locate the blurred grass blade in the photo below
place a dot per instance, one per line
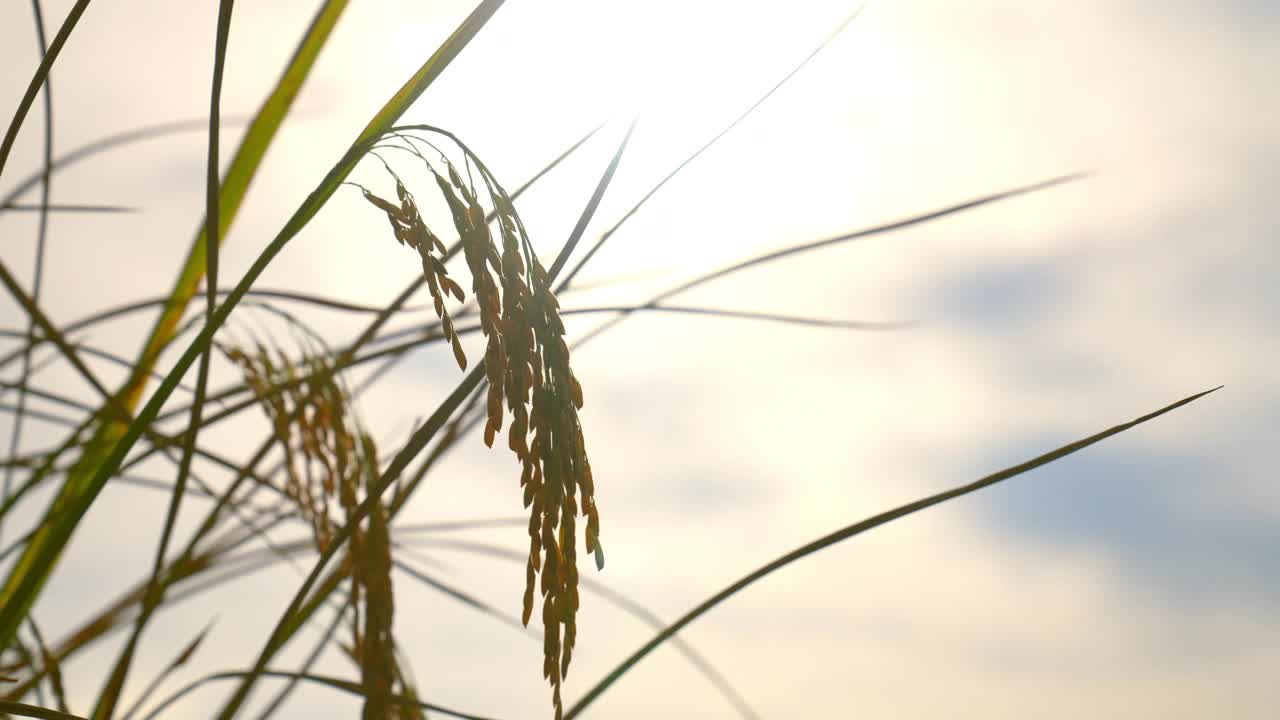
(883, 229)
(41, 74)
(461, 595)
(115, 140)
(34, 711)
(856, 529)
(87, 476)
(50, 665)
(69, 208)
(627, 605)
(877, 230)
(139, 305)
(177, 662)
(346, 686)
(46, 326)
(740, 315)
(326, 639)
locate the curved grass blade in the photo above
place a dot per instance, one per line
(431, 336)
(846, 237)
(461, 596)
(38, 317)
(627, 605)
(34, 711)
(42, 415)
(177, 662)
(325, 640)
(133, 307)
(43, 208)
(41, 75)
(128, 137)
(49, 665)
(858, 528)
(346, 686)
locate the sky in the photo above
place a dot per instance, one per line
(1134, 578)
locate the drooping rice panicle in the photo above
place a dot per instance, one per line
(527, 367)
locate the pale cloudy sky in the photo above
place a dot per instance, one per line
(1134, 579)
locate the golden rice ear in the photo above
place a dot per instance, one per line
(458, 354)
(598, 551)
(527, 611)
(475, 216)
(396, 229)
(452, 287)
(385, 206)
(526, 364)
(516, 436)
(495, 409)
(414, 236)
(456, 180)
(575, 389)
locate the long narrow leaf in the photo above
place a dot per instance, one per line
(34, 711)
(41, 74)
(856, 529)
(883, 229)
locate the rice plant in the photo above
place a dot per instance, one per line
(318, 466)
